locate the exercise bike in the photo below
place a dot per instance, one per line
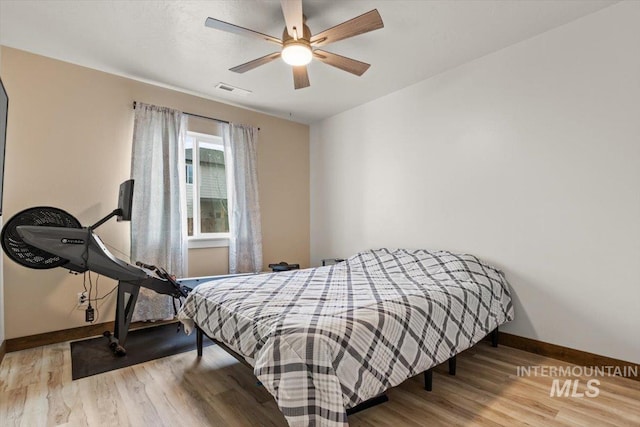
(45, 237)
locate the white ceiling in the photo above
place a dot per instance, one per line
(165, 42)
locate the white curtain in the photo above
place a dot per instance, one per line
(158, 219)
(245, 243)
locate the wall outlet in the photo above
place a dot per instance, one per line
(83, 299)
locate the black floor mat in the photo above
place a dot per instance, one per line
(93, 356)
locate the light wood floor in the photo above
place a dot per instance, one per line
(36, 390)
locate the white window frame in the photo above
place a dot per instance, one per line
(204, 240)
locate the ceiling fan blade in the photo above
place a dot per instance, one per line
(362, 24)
(255, 63)
(292, 11)
(231, 28)
(300, 77)
(347, 64)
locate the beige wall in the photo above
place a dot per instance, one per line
(69, 146)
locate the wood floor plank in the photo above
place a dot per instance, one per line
(58, 411)
(579, 418)
(12, 406)
(216, 390)
(137, 402)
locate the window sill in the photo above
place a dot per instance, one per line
(220, 242)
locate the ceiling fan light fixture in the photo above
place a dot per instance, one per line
(297, 53)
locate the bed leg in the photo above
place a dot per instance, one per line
(452, 365)
(199, 336)
(428, 379)
(494, 337)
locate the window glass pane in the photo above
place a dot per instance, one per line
(189, 171)
(214, 217)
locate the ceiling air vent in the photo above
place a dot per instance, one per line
(232, 89)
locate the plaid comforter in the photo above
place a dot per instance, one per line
(328, 338)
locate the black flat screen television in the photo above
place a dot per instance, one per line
(4, 113)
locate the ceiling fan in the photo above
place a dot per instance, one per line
(299, 47)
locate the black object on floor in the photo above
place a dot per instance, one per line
(283, 266)
(93, 356)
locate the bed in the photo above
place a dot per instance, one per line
(323, 340)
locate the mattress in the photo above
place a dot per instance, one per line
(325, 339)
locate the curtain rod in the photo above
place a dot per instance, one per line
(195, 115)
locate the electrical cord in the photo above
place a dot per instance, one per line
(96, 299)
(89, 292)
(84, 285)
(105, 295)
(119, 251)
(89, 311)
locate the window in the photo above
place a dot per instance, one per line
(207, 204)
(189, 172)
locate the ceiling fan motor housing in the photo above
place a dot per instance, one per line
(296, 50)
(305, 36)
